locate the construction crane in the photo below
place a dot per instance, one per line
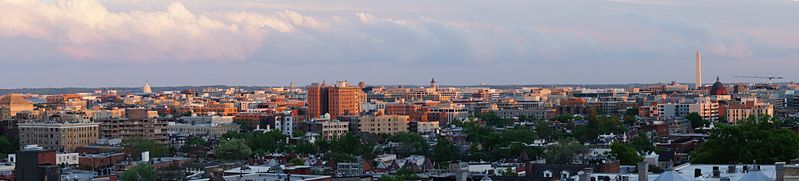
(770, 78)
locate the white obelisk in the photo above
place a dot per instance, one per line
(698, 70)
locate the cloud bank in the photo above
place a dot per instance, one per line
(455, 36)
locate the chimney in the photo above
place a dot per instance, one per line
(697, 172)
(780, 168)
(731, 169)
(725, 179)
(716, 172)
(746, 169)
(643, 168)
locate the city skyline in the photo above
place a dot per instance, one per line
(110, 43)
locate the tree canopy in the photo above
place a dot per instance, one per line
(445, 151)
(140, 145)
(233, 149)
(626, 154)
(492, 119)
(696, 120)
(410, 144)
(565, 152)
(140, 172)
(763, 142)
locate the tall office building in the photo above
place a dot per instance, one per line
(337, 100)
(698, 83)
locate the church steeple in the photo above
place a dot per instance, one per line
(433, 84)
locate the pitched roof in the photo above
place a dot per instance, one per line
(670, 175)
(10, 99)
(755, 176)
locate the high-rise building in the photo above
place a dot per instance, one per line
(698, 83)
(337, 100)
(317, 99)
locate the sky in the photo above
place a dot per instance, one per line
(107, 43)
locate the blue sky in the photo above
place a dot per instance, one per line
(92, 43)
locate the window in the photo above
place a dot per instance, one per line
(547, 174)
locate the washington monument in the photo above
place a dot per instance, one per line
(698, 83)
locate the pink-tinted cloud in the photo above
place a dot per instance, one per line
(87, 30)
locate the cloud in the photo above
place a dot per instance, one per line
(87, 30)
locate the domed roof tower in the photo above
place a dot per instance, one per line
(718, 88)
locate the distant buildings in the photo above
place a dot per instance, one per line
(127, 129)
(384, 124)
(327, 128)
(212, 131)
(337, 100)
(64, 137)
(11, 104)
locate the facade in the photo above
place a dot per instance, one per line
(338, 100)
(327, 128)
(742, 111)
(65, 137)
(128, 129)
(703, 106)
(202, 130)
(140, 113)
(285, 123)
(537, 113)
(424, 127)
(384, 124)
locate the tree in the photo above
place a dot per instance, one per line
(193, 144)
(243, 126)
(626, 154)
(140, 172)
(545, 131)
(297, 161)
(696, 120)
(445, 151)
(563, 118)
(598, 125)
(642, 144)
(234, 149)
(272, 141)
(518, 134)
(763, 142)
(508, 172)
(7, 146)
(492, 119)
(410, 144)
(139, 145)
(565, 152)
(305, 148)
